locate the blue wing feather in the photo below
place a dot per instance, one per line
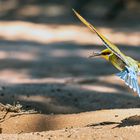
(130, 78)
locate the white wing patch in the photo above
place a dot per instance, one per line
(130, 78)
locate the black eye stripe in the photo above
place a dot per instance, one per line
(106, 53)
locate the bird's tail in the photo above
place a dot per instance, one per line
(130, 79)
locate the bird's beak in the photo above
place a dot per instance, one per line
(94, 54)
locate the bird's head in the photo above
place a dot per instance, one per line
(104, 54)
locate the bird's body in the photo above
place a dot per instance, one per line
(129, 67)
(116, 61)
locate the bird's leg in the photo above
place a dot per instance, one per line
(95, 54)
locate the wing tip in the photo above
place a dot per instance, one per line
(130, 81)
(76, 13)
(74, 10)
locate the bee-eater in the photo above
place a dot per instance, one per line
(128, 67)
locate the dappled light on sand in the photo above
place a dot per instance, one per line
(100, 88)
(24, 56)
(43, 33)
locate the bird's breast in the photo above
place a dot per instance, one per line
(117, 62)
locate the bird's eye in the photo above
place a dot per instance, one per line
(106, 53)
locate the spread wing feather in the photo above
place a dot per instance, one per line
(130, 78)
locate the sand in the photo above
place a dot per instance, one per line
(75, 98)
(105, 124)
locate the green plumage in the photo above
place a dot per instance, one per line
(129, 67)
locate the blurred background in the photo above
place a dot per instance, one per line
(44, 53)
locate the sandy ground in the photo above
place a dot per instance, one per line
(45, 68)
(105, 124)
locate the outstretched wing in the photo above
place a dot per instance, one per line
(106, 42)
(130, 78)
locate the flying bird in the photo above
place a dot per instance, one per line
(128, 67)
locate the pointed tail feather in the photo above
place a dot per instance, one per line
(130, 78)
